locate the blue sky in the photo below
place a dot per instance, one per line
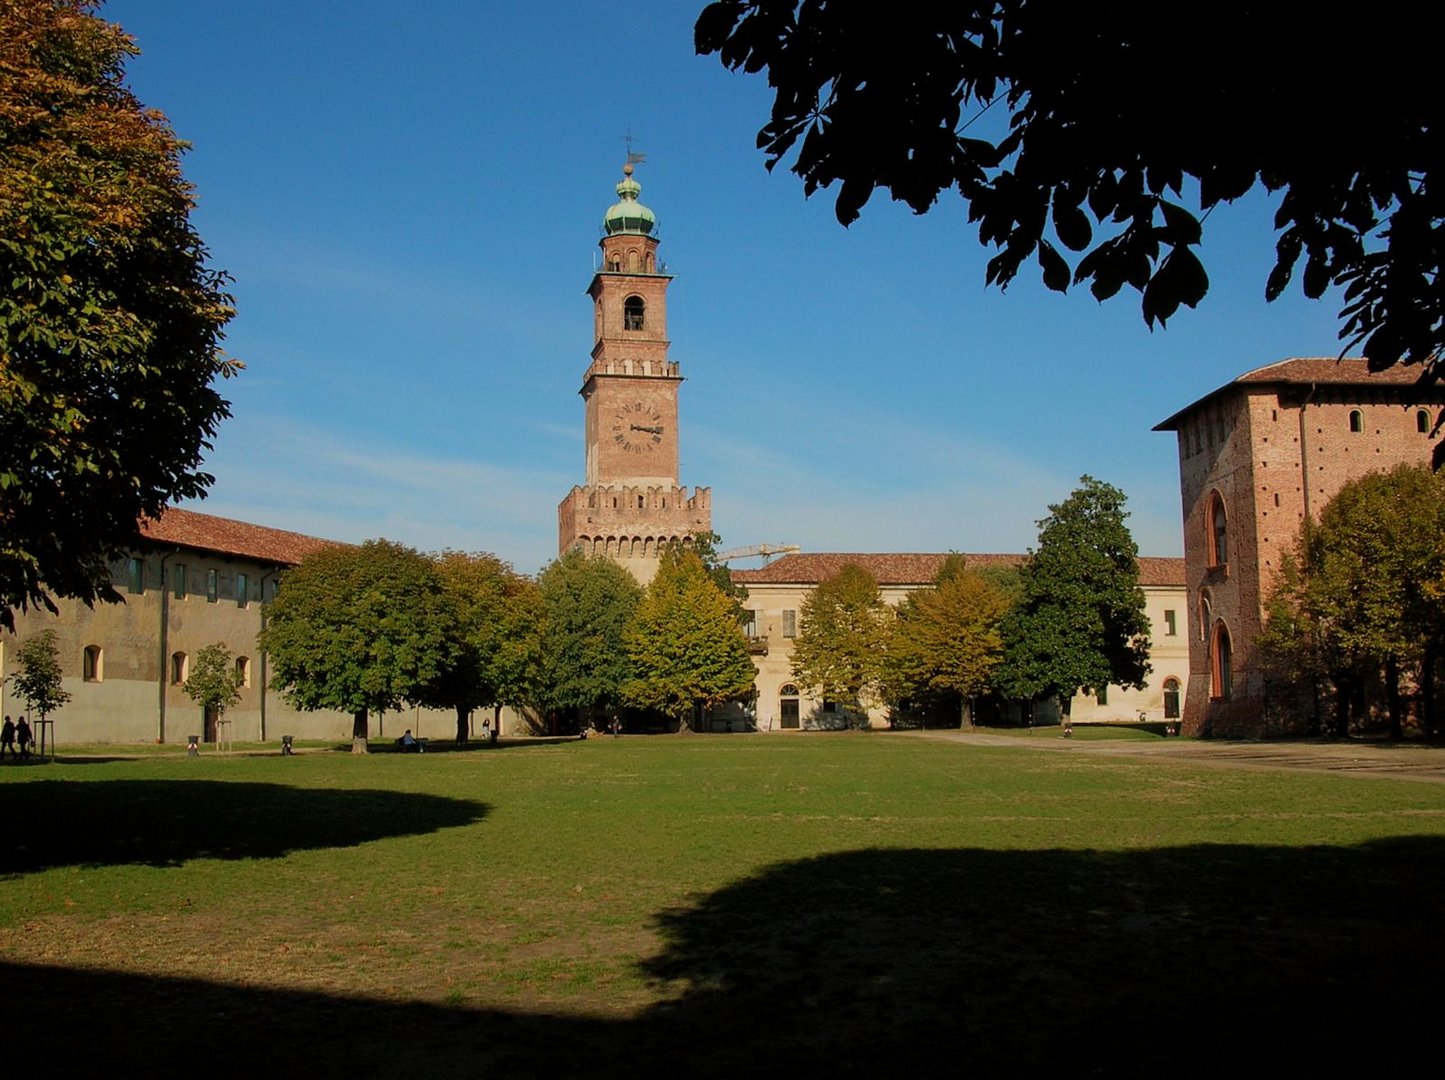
(409, 199)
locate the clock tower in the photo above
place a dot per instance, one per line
(631, 506)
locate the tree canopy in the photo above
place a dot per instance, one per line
(1107, 132)
(946, 641)
(1080, 623)
(110, 317)
(214, 683)
(360, 629)
(840, 648)
(1362, 601)
(495, 623)
(685, 642)
(588, 601)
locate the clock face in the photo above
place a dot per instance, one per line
(637, 428)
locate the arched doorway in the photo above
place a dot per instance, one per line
(788, 707)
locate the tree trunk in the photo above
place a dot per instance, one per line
(464, 724)
(1392, 693)
(358, 731)
(1427, 690)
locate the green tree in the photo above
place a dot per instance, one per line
(1080, 623)
(946, 641)
(685, 642)
(706, 545)
(496, 623)
(39, 679)
(1106, 131)
(841, 646)
(588, 601)
(110, 319)
(214, 683)
(359, 629)
(1362, 602)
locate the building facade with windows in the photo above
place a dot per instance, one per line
(776, 593)
(1257, 458)
(192, 580)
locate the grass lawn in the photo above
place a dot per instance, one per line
(707, 905)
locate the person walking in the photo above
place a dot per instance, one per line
(7, 738)
(23, 736)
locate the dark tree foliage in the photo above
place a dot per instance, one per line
(588, 603)
(495, 623)
(110, 319)
(1110, 132)
(1360, 606)
(359, 629)
(1080, 623)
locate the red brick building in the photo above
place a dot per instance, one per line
(1256, 458)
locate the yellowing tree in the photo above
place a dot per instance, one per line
(685, 643)
(946, 641)
(110, 318)
(839, 651)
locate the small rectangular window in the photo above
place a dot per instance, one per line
(790, 624)
(178, 581)
(1170, 629)
(135, 574)
(750, 623)
(829, 706)
(241, 586)
(213, 586)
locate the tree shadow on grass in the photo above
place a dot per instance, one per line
(1185, 961)
(52, 823)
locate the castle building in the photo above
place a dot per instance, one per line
(776, 593)
(631, 505)
(1257, 457)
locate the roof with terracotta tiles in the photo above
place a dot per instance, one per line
(917, 568)
(1305, 370)
(226, 536)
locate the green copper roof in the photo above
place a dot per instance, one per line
(629, 215)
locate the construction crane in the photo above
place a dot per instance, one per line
(767, 551)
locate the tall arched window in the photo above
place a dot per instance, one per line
(633, 310)
(1206, 614)
(1221, 675)
(1357, 421)
(1422, 422)
(243, 670)
(92, 665)
(1218, 531)
(178, 668)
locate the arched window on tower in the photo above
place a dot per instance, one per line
(614, 263)
(1357, 421)
(1422, 422)
(1217, 525)
(1221, 675)
(633, 313)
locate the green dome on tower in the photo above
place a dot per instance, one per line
(629, 215)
